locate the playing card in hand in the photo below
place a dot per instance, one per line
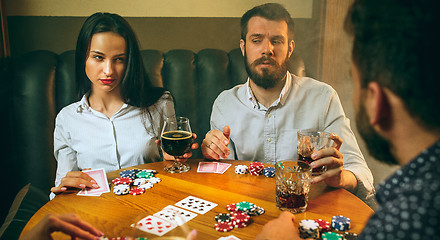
(195, 204)
(175, 215)
(101, 179)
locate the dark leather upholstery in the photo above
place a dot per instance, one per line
(43, 83)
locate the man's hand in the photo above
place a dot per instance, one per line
(69, 224)
(215, 144)
(281, 228)
(75, 179)
(185, 156)
(335, 176)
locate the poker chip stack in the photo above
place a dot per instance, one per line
(324, 226)
(141, 179)
(341, 223)
(269, 172)
(241, 169)
(239, 216)
(331, 236)
(308, 229)
(256, 168)
(240, 220)
(349, 236)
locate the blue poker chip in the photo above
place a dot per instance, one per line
(128, 173)
(341, 223)
(269, 172)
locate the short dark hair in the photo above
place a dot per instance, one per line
(395, 45)
(270, 11)
(136, 88)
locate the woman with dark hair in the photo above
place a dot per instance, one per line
(117, 122)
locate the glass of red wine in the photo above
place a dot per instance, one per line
(176, 139)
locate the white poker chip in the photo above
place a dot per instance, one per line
(121, 189)
(154, 180)
(140, 181)
(149, 170)
(241, 169)
(146, 185)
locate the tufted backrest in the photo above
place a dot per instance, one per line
(43, 83)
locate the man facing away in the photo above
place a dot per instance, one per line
(259, 120)
(394, 68)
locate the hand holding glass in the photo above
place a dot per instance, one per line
(309, 141)
(176, 140)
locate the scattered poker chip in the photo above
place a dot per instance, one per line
(241, 169)
(324, 226)
(349, 236)
(340, 223)
(245, 206)
(331, 236)
(308, 229)
(231, 207)
(137, 191)
(223, 217)
(241, 225)
(257, 211)
(223, 226)
(154, 180)
(121, 189)
(143, 174)
(240, 218)
(127, 173)
(147, 185)
(122, 180)
(269, 172)
(139, 181)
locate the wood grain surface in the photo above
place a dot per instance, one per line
(114, 214)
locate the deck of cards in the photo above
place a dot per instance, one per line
(172, 216)
(101, 179)
(213, 167)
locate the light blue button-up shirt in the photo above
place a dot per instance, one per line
(269, 134)
(86, 138)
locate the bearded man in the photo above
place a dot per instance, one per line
(259, 120)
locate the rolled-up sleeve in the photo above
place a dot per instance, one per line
(335, 121)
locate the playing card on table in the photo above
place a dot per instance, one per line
(207, 167)
(155, 225)
(222, 167)
(195, 204)
(101, 179)
(175, 215)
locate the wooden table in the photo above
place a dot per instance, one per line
(114, 214)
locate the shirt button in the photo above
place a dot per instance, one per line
(269, 139)
(269, 115)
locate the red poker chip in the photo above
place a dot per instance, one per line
(240, 218)
(232, 207)
(137, 191)
(241, 225)
(224, 226)
(123, 180)
(324, 226)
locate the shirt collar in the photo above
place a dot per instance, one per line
(84, 104)
(281, 99)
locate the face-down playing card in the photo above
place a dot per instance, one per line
(195, 204)
(176, 215)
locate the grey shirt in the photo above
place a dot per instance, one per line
(269, 134)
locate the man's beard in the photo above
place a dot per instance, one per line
(377, 146)
(268, 78)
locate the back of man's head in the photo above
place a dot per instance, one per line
(269, 11)
(395, 44)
